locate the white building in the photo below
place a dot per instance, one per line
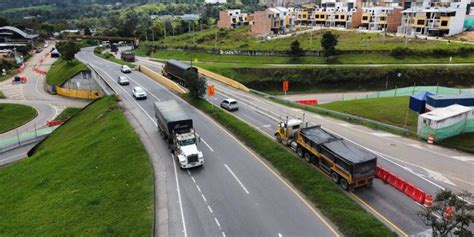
(215, 1)
(434, 18)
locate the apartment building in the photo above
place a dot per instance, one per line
(230, 19)
(434, 18)
(276, 20)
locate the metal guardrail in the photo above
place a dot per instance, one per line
(335, 113)
(26, 138)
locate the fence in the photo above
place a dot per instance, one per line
(25, 138)
(407, 91)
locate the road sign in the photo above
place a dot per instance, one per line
(285, 86)
(211, 90)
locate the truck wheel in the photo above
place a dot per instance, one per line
(278, 137)
(307, 157)
(344, 185)
(335, 177)
(299, 151)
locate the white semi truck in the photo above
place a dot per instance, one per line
(177, 129)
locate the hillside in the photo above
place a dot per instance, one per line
(91, 177)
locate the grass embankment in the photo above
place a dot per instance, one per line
(369, 58)
(344, 78)
(389, 110)
(67, 114)
(2, 95)
(90, 177)
(62, 70)
(463, 142)
(350, 218)
(241, 39)
(15, 115)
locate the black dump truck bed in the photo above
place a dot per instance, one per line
(337, 146)
(172, 117)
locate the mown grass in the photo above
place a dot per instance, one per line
(15, 115)
(62, 70)
(389, 110)
(67, 114)
(91, 177)
(241, 39)
(350, 218)
(367, 58)
(463, 142)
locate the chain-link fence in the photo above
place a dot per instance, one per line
(22, 138)
(412, 90)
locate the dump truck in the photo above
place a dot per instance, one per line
(176, 127)
(127, 56)
(348, 165)
(176, 70)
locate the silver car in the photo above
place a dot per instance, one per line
(230, 104)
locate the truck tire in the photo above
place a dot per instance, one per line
(307, 157)
(335, 177)
(343, 183)
(299, 151)
(278, 137)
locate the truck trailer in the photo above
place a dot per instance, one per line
(176, 127)
(176, 70)
(348, 165)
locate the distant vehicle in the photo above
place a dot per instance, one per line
(138, 93)
(39, 50)
(122, 80)
(176, 70)
(114, 48)
(348, 165)
(125, 69)
(55, 54)
(127, 56)
(45, 45)
(176, 127)
(229, 104)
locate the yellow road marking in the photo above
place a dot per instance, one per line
(380, 215)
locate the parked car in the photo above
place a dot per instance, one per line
(125, 69)
(230, 104)
(138, 93)
(123, 80)
(39, 50)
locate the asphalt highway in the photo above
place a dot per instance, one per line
(428, 167)
(234, 193)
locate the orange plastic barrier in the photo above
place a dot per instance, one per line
(381, 173)
(53, 123)
(400, 184)
(419, 196)
(307, 102)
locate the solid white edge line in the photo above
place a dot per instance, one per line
(217, 222)
(179, 198)
(238, 180)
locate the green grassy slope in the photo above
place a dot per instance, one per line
(62, 70)
(91, 177)
(15, 115)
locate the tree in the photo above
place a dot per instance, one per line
(295, 49)
(68, 50)
(195, 84)
(462, 214)
(4, 22)
(329, 42)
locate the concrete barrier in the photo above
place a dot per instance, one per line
(162, 80)
(223, 79)
(92, 95)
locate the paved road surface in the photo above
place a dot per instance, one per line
(324, 98)
(429, 167)
(233, 194)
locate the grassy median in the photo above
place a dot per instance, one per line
(345, 213)
(62, 70)
(91, 177)
(15, 115)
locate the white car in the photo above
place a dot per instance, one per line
(138, 93)
(125, 69)
(230, 104)
(123, 81)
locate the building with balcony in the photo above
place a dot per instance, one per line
(12, 37)
(231, 19)
(275, 20)
(378, 18)
(434, 18)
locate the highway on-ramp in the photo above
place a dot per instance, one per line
(428, 167)
(233, 194)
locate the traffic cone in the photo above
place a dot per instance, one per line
(430, 139)
(428, 201)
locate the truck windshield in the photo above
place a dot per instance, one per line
(187, 142)
(364, 169)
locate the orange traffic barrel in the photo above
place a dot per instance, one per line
(431, 139)
(428, 201)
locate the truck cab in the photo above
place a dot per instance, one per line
(286, 131)
(185, 150)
